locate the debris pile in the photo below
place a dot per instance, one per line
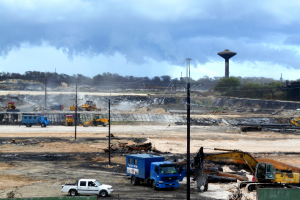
(202, 122)
(123, 147)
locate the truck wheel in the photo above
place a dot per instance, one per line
(134, 180)
(153, 184)
(72, 192)
(43, 125)
(30, 125)
(103, 193)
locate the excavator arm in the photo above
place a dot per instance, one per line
(294, 121)
(232, 157)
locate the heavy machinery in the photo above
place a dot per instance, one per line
(294, 121)
(97, 120)
(11, 107)
(268, 173)
(88, 106)
(69, 120)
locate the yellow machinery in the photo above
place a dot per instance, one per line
(69, 120)
(88, 106)
(294, 121)
(275, 174)
(97, 120)
(11, 107)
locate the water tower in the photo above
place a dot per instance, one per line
(226, 55)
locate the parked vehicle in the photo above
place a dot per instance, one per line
(30, 120)
(87, 186)
(57, 107)
(152, 169)
(69, 120)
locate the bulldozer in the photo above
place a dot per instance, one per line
(268, 173)
(97, 120)
(88, 106)
(69, 120)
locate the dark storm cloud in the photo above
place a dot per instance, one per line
(162, 30)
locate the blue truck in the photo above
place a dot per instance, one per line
(30, 120)
(57, 107)
(153, 170)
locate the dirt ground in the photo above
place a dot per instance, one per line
(35, 162)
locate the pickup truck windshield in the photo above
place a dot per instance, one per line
(97, 183)
(168, 169)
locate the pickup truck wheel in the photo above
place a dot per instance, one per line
(72, 192)
(134, 180)
(103, 193)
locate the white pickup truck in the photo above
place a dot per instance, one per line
(87, 186)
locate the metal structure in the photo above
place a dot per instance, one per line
(226, 55)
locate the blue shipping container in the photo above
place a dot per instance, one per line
(139, 164)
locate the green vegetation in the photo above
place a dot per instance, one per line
(227, 85)
(275, 90)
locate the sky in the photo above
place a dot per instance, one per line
(151, 38)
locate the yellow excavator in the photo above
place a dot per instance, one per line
(268, 173)
(294, 121)
(97, 120)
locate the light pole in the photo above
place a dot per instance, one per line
(188, 86)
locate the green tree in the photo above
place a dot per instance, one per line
(227, 84)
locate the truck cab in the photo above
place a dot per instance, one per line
(164, 175)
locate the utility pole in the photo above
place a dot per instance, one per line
(188, 86)
(109, 125)
(75, 111)
(109, 132)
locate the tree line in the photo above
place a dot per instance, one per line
(273, 90)
(108, 80)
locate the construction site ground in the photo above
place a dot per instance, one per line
(35, 162)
